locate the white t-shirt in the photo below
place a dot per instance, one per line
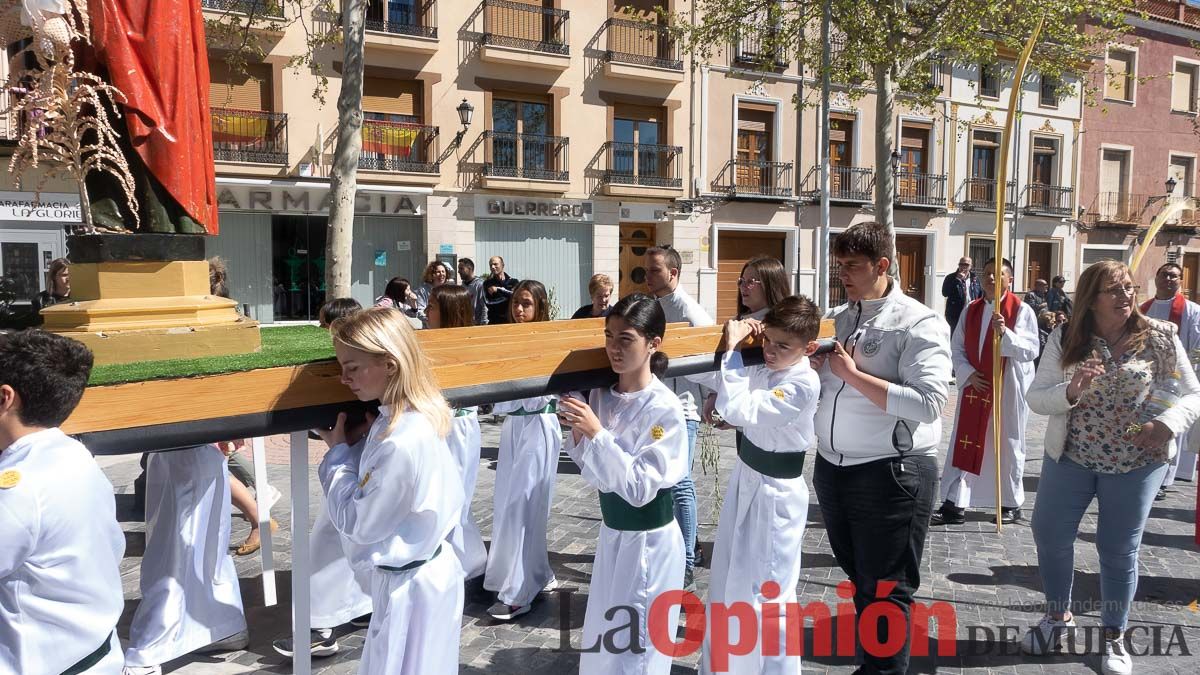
(679, 306)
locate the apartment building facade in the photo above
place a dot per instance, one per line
(1140, 149)
(568, 164)
(567, 137)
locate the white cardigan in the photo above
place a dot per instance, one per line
(1048, 394)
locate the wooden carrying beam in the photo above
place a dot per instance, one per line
(459, 365)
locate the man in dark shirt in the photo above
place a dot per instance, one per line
(960, 289)
(497, 291)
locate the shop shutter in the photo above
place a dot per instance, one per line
(558, 254)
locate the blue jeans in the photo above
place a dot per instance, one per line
(1064, 493)
(684, 495)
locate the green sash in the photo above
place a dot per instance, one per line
(773, 464)
(619, 514)
(548, 409)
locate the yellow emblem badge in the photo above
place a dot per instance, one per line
(363, 482)
(779, 394)
(656, 432)
(9, 479)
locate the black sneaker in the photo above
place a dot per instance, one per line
(1011, 514)
(323, 644)
(361, 621)
(1162, 494)
(948, 514)
(689, 579)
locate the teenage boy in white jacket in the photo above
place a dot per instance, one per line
(878, 426)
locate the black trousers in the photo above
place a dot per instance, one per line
(876, 517)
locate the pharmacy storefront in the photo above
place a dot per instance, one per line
(273, 236)
(32, 233)
(549, 240)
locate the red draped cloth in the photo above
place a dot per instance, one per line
(975, 407)
(155, 53)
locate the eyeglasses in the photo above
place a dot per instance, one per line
(1128, 290)
(748, 282)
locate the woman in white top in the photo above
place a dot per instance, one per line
(396, 500)
(450, 306)
(518, 565)
(630, 443)
(766, 505)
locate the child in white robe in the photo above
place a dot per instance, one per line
(518, 566)
(396, 500)
(60, 544)
(452, 306)
(339, 593)
(630, 442)
(191, 599)
(766, 504)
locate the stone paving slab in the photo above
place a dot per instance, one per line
(991, 579)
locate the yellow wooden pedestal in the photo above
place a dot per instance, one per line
(150, 311)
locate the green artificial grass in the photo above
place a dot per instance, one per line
(285, 346)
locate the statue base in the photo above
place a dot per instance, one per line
(146, 310)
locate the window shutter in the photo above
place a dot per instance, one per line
(251, 91)
(394, 97)
(750, 119)
(1183, 88)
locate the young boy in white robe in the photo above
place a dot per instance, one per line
(396, 500)
(518, 566)
(452, 306)
(60, 544)
(630, 442)
(766, 505)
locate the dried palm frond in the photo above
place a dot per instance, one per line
(63, 115)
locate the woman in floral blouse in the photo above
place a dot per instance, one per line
(1093, 380)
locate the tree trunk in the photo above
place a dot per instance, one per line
(343, 175)
(885, 141)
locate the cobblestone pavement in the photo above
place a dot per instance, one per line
(991, 580)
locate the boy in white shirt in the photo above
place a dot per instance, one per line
(60, 544)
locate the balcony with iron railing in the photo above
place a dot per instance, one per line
(755, 179)
(524, 157)
(640, 169)
(516, 33)
(1117, 209)
(980, 194)
(1049, 200)
(846, 184)
(418, 19)
(398, 147)
(759, 49)
(271, 9)
(253, 136)
(918, 189)
(639, 50)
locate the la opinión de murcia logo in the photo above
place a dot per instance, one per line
(833, 630)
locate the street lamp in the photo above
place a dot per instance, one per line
(465, 112)
(896, 175)
(1170, 185)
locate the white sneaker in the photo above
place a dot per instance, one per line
(141, 670)
(1047, 636)
(551, 586)
(503, 612)
(271, 496)
(1116, 660)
